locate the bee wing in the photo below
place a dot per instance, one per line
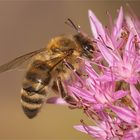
(13, 64)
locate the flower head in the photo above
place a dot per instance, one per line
(108, 87)
(118, 48)
(110, 95)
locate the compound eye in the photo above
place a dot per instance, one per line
(89, 48)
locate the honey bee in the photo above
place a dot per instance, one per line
(51, 64)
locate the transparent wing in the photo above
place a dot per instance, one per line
(19, 61)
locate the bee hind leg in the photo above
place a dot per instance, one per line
(69, 99)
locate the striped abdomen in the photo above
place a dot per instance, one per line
(33, 92)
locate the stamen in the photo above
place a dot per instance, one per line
(136, 42)
(86, 127)
(124, 34)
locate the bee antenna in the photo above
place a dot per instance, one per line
(71, 24)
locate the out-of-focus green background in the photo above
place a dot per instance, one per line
(26, 26)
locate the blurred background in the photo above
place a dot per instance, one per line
(26, 26)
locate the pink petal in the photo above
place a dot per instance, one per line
(80, 128)
(56, 100)
(129, 46)
(94, 131)
(124, 113)
(133, 134)
(108, 54)
(135, 96)
(119, 21)
(96, 26)
(82, 93)
(130, 21)
(119, 94)
(92, 73)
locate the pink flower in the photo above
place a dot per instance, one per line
(96, 93)
(108, 95)
(103, 130)
(130, 116)
(119, 52)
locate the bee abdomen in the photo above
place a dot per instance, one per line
(33, 92)
(37, 77)
(32, 104)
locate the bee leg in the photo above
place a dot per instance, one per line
(69, 99)
(75, 72)
(71, 67)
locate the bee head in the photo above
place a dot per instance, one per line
(85, 43)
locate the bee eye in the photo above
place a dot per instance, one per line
(88, 48)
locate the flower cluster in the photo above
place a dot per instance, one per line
(110, 93)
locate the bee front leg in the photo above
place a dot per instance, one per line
(71, 67)
(77, 73)
(69, 99)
